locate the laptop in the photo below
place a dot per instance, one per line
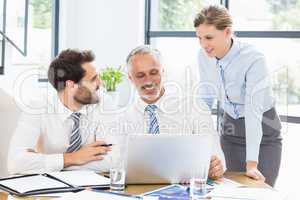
(166, 158)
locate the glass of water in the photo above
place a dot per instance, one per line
(118, 163)
(117, 179)
(198, 183)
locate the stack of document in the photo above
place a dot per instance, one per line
(53, 182)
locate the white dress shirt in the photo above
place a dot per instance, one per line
(47, 134)
(176, 114)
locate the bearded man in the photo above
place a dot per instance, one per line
(61, 137)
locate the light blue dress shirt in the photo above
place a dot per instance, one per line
(241, 82)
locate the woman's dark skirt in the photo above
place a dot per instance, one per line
(233, 143)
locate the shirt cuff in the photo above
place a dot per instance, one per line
(54, 162)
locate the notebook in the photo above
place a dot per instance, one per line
(66, 181)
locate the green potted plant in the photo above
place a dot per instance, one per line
(111, 78)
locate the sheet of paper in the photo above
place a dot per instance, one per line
(29, 183)
(53, 195)
(245, 193)
(90, 195)
(81, 178)
(228, 183)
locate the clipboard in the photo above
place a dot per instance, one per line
(39, 187)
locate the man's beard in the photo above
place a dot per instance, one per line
(84, 96)
(150, 97)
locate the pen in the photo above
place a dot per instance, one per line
(106, 145)
(95, 139)
(95, 133)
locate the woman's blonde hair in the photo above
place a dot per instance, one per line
(215, 15)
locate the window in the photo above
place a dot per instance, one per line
(271, 25)
(16, 16)
(31, 28)
(175, 15)
(284, 70)
(173, 58)
(269, 15)
(171, 31)
(39, 35)
(174, 18)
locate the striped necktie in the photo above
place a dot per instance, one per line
(153, 127)
(75, 137)
(234, 105)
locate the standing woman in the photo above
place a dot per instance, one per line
(236, 73)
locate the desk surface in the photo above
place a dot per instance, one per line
(138, 189)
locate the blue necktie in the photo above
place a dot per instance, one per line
(75, 137)
(234, 105)
(153, 122)
(222, 72)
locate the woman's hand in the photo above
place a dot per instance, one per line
(253, 172)
(216, 169)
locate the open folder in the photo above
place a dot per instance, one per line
(66, 181)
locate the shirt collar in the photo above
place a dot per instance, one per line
(233, 51)
(61, 110)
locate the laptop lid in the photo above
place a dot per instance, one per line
(164, 158)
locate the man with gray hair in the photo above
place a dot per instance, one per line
(162, 110)
(148, 85)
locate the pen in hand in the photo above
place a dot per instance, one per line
(95, 133)
(102, 145)
(95, 139)
(106, 145)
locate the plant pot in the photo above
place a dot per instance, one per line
(111, 100)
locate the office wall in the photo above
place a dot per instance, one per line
(109, 28)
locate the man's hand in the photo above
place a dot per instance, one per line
(86, 154)
(253, 172)
(216, 168)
